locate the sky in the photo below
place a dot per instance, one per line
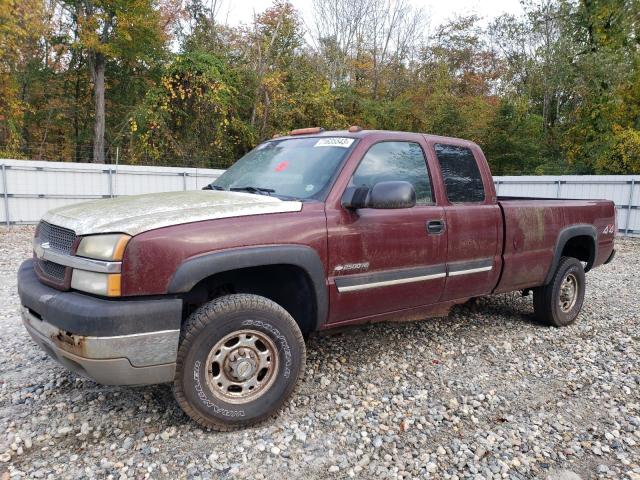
(438, 11)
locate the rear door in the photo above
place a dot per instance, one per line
(382, 261)
(473, 220)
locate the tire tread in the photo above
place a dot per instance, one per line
(197, 321)
(543, 296)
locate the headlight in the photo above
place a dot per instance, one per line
(105, 284)
(103, 247)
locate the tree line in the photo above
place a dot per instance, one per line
(167, 82)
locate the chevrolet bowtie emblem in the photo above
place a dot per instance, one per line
(39, 248)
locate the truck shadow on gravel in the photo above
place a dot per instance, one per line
(476, 320)
(349, 349)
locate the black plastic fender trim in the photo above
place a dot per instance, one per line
(196, 269)
(564, 236)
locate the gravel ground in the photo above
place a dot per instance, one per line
(485, 393)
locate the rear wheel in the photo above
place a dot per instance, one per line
(559, 302)
(239, 360)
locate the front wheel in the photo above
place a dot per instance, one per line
(239, 360)
(559, 302)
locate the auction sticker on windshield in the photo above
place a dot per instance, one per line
(334, 142)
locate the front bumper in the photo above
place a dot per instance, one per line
(114, 342)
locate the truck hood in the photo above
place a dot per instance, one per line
(140, 213)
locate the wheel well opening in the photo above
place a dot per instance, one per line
(287, 285)
(581, 247)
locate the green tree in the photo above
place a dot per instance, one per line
(22, 23)
(606, 82)
(513, 144)
(119, 30)
(192, 116)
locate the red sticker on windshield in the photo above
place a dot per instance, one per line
(281, 166)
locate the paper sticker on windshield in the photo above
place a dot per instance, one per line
(334, 142)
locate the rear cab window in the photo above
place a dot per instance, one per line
(393, 161)
(460, 173)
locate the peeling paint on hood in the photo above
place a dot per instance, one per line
(140, 213)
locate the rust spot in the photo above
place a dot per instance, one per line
(530, 228)
(71, 343)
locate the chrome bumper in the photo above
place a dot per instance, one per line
(135, 359)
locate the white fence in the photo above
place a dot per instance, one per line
(29, 188)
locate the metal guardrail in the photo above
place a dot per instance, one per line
(112, 175)
(111, 187)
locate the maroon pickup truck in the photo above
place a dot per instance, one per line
(216, 290)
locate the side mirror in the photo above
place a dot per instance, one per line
(395, 194)
(355, 198)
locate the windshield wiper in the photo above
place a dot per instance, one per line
(250, 189)
(211, 186)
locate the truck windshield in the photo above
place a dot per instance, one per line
(299, 168)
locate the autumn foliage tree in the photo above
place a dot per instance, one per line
(22, 24)
(193, 111)
(554, 90)
(124, 30)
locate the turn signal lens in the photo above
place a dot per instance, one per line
(105, 284)
(113, 285)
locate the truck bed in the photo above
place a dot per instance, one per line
(533, 227)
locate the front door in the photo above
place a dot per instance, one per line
(382, 261)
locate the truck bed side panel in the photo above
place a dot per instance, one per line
(532, 228)
(600, 214)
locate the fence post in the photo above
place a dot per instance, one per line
(626, 226)
(110, 180)
(184, 181)
(5, 194)
(558, 189)
(115, 178)
(498, 187)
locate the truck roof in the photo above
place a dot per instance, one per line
(379, 134)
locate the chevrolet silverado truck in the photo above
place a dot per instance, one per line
(216, 290)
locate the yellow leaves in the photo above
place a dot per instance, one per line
(21, 22)
(623, 154)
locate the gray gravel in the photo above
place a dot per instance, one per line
(485, 393)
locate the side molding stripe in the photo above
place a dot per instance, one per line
(355, 283)
(469, 267)
(385, 283)
(471, 270)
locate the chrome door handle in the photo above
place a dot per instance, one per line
(435, 227)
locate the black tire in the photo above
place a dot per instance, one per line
(547, 303)
(250, 318)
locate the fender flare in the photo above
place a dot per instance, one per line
(564, 236)
(195, 269)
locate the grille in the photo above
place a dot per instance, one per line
(53, 270)
(60, 239)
